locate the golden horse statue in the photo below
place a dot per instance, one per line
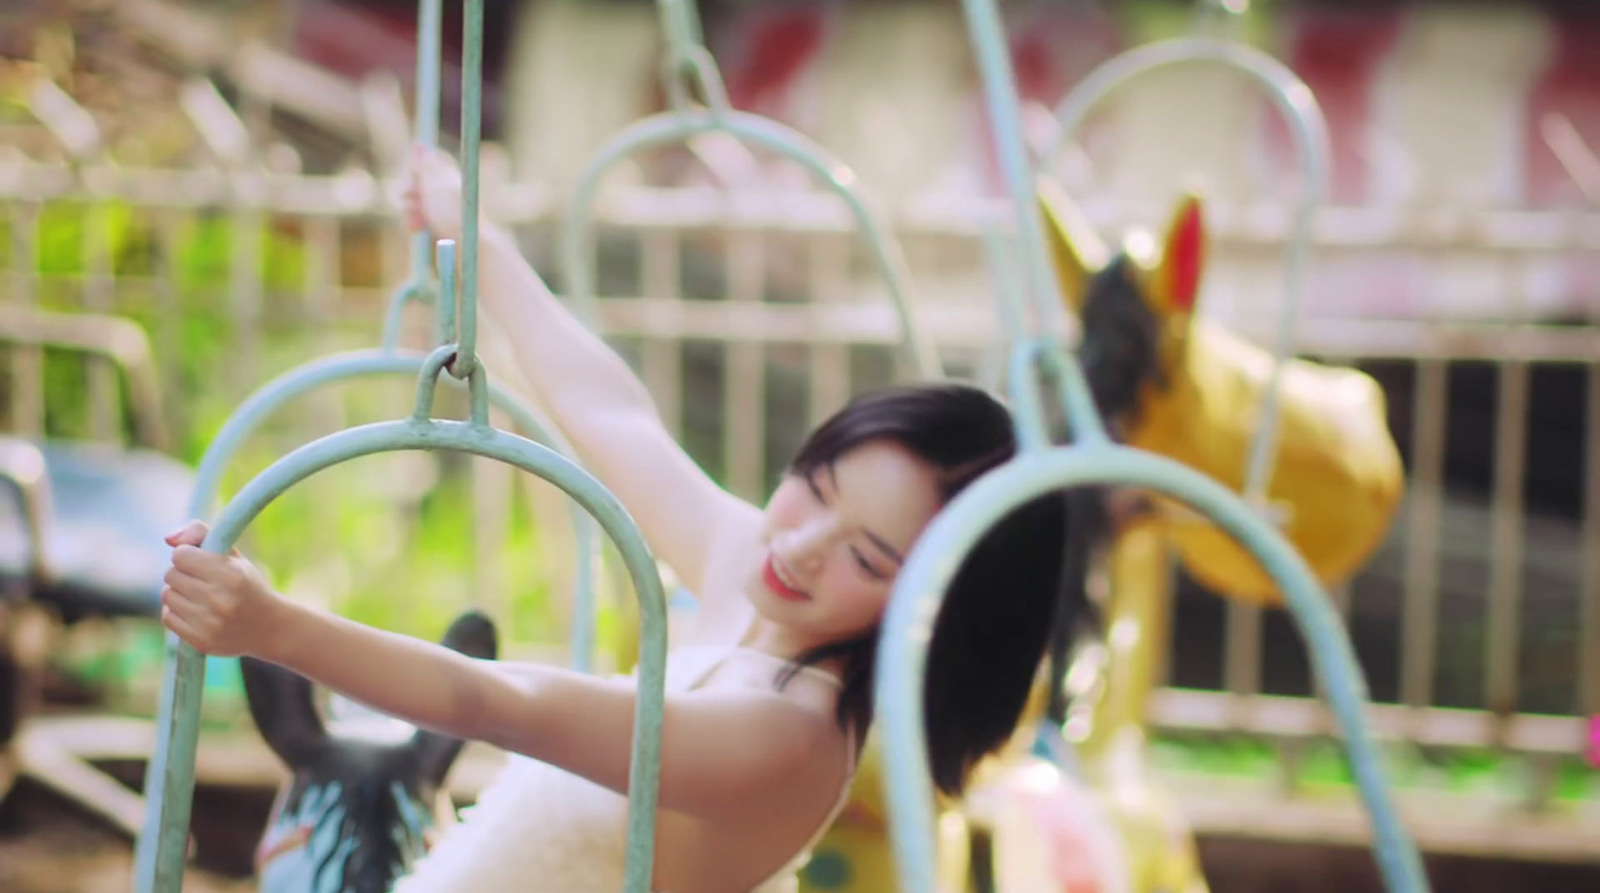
(1191, 390)
(1337, 478)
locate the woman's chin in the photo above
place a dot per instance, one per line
(770, 606)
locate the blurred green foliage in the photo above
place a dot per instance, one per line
(396, 553)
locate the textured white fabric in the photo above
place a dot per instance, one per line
(540, 829)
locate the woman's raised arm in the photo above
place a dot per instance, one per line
(590, 392)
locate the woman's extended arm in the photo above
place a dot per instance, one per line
(589, 391)
(723, 751)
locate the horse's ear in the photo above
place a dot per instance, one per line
(474, 635)
(283, 711)
(1177, 278)
(1075, 248)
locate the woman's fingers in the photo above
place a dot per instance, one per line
(190, 534)
(211, 597)
(185, 584)
(207, 597)
(197, 562)
(193, 534)
(173, 620)
(200, 623)
(185, 606)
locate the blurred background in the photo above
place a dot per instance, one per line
(196, 197)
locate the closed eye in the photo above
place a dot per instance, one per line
(811, 481)
(865, 565)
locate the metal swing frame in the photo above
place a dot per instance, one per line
(1094, 459)
(1039, 469)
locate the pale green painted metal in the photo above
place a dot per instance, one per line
(1000, 254)
(447, 291)
(418, 286)
(364, 364)
(680, 21)
(466, 359)
(919, 591)
(1294, 99)
(178, 713)
(687, 57)
(1040, 470)
(178, 708)
(159, 865)
(677, 126)
(159, 851)
(1029, 358)
(1022, 380)
(477, 438)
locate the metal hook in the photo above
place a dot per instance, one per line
(428, 384)
(695, 68)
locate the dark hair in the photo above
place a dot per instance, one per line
(991, 634)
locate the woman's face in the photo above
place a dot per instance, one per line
(836, 538)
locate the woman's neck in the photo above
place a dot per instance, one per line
(775, 639)
(760, 634)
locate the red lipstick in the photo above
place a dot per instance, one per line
(769, 576)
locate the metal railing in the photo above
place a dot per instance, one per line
(701, 288)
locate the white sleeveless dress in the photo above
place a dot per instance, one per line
(540, 829)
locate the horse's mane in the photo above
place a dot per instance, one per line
(1119, 348)
(371, 813)
(369, 798)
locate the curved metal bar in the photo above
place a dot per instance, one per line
(1000, 255)
(1299, 108)
(695, 66)
(416, 287)
(408, 291)
(413, 434)
(428, 384)
(939, 553)
(176, 721)
(373, 363)
(942, 548)
(673, 127)
(687, 58)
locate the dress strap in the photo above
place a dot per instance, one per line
(821, 675)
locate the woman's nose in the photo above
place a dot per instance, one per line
(810, 544)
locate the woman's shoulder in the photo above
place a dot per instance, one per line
(773, 686)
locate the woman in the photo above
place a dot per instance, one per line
(768, 704)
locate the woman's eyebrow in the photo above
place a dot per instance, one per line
(880, 542)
